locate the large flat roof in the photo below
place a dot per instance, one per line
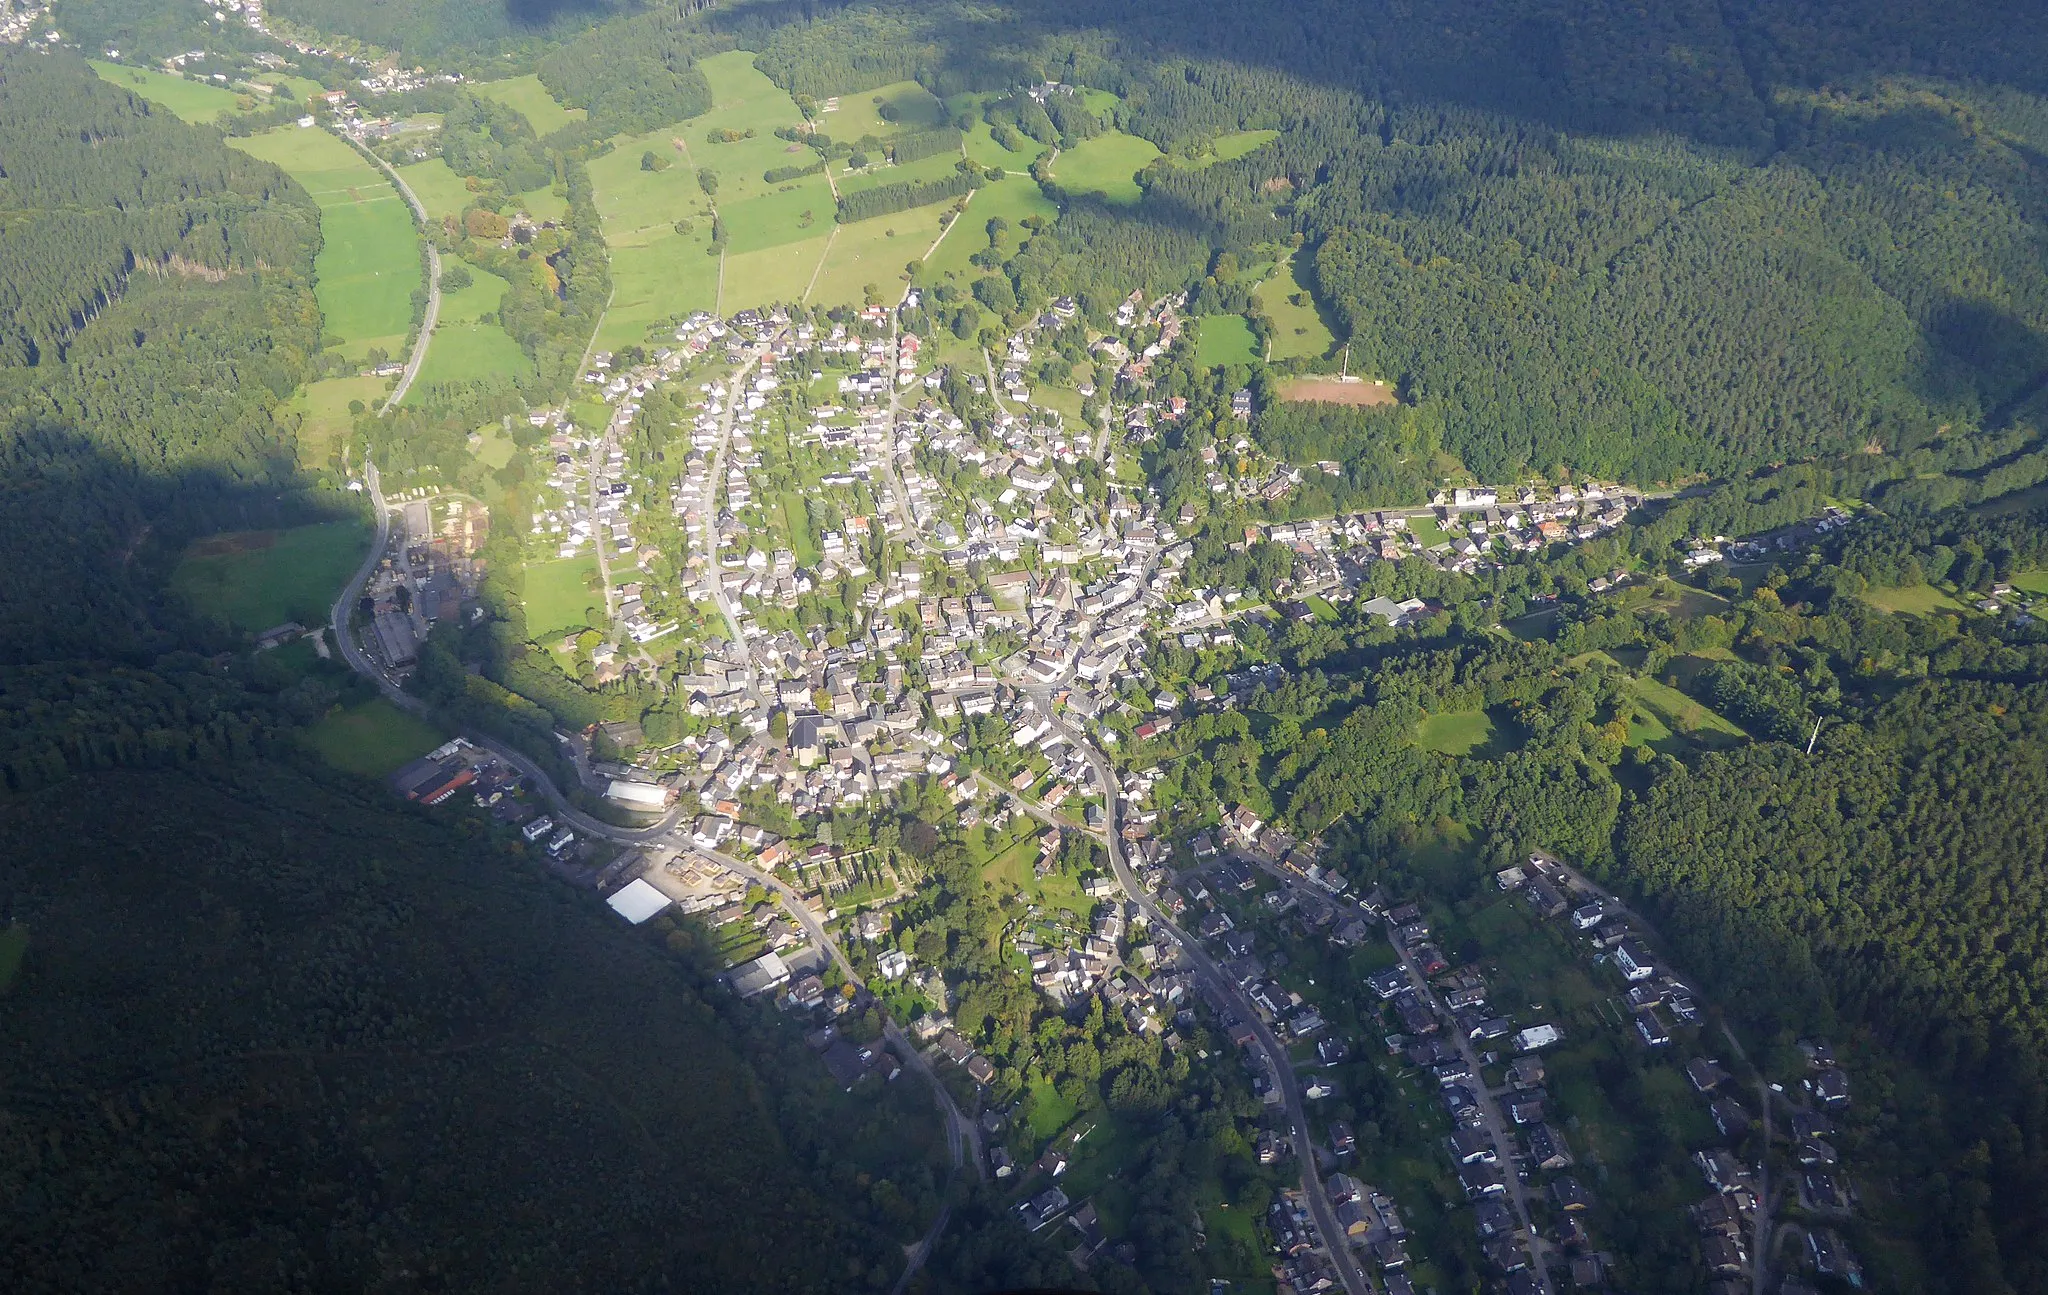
(636, 901)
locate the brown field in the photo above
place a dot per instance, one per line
(1330, 391)
(234, 542)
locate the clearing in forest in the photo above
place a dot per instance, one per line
(1223, 340)
(1108, 165)
(527, 96)
(1299, 330)
(253, 580)
(374, 739)
(369, 263)
(1455, 732)
(1917, 600)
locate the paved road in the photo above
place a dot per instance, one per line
(1341, 1256)
(713, 585)
(433, 313)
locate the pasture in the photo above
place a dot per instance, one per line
(1224, 339)
(252, 580)
(982, 146)
(771, 274)
(1328, 389)
(374, 739)
(1299, 331)
(2031, 582)
(323, 407)
(913, 106)
(369, 262)
(465, 347)
(1012, 198)
(559, 593)
(1108, 165)
(438, 188)
(875, 251)
(530, 99)
(1662, 707)
(186, 98)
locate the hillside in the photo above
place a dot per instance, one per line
(270, 1026)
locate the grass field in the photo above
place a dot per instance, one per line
(436, 185)
(464, 346)
(1224, 339)
(189, 99)
(2031, 582)
(1918, 600)
(1013, 199)
(1664, 712)
(982, 146)
(532, 99)
(375, 739)
(1456, 732)
(256, 579)
(861, 114)
(656, 272)
(1299, 332)
(867, 252)
(369, 263)
(771, 274)
(13, 948)
(324, 407)
(559, 594)
(791, 212)
(1108, 165)
(1229, 148)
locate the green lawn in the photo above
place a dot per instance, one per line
(2031, 582)
(369, 264)
(375, 739)
(1456, 732)
(1046, 1112)
(1224, 339)
(771, 274)
(791, 212)
(465, 347)
(436, 185)
(531, 98)
(1298, 330)
(1919, 600)
(1108, 165)
(253, 580)
(187, 98)
(559, 594)
(939, 166)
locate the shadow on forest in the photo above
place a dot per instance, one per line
(91, 540)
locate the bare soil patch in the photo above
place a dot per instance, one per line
(1332, 391)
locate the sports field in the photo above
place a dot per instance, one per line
(253, 580)
(532, 99)
(1298, 330)
(1328, 389)
(369, 263)
(559, 594)
(436, 185)
(192, 100)
(1108, 165)
(375, 739)
(1224, 339)
(465, 347)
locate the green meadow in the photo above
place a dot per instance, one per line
(1108, 165)
(442, 192)
(369, 264)
(875, 251)
(1013, 198)
(324, 413)
(253, 580)
(559, 594)
(1229, 148)
(1298, 330)
(189, 99)
(530, 98)
(374, 739)
(861, 114)
(467, 346)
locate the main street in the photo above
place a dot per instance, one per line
(1223, 989)
(713, 584)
